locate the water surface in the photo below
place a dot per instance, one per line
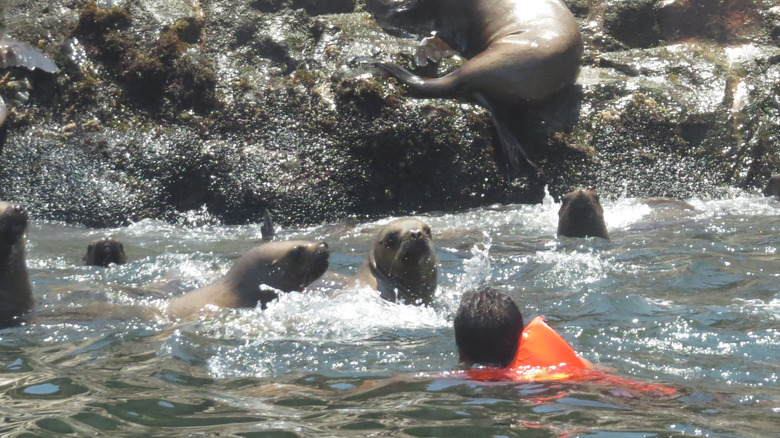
(690, 299)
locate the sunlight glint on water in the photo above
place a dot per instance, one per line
(686, 298)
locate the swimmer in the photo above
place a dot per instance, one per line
(489, 332)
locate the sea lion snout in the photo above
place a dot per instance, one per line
(420, 233)
(322, 247)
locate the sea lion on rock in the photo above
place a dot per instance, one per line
(773, 186)
(18, 54)
(402, 264)
(286, 266)
(581, 215)
(103, 252)
(15, 292)
(519, 51)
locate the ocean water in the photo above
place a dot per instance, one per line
(685, 298)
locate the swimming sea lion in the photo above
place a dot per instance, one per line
(402, 264)
(581, 215)
(520, 51)
(773, 186)
(667, 203)
(286, 266)
(15, 292)
(103, 252)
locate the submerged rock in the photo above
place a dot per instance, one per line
(228, 108)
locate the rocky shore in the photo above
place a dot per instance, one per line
(211, 111)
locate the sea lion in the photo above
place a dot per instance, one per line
(402, 264)
(15, 292)
(103, 252)
(18, 54)
(286, 266)
(519, 51)
(581, 215)
(773, 186)
(667, 203)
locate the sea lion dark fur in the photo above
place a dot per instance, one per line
(773, 186)
(519, 51)
(402, 263)
(286, 266)
(103, 252)
(15, 292)
(581, 215)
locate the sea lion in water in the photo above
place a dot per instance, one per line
(668, 203)
(103, 252)
(773, 186)
(15, 292)
(519, 51)
(286, 266)
(581, 215)
(402, 264)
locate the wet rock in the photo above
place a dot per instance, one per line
(223, 108)
(633, 22)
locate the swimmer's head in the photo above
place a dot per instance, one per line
(487, 328)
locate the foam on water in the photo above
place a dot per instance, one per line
(687, 297)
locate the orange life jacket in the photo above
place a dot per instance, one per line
(543, 355)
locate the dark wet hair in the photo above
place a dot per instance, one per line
(487, 328)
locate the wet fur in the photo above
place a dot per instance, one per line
(581, 215)
(390, 268)
(15, 291)
(285, 266)
(103, 252)
(519, 51)
(773, 186)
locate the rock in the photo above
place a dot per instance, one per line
(222, 108)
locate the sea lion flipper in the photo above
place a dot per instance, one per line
(267, 229)
(432, 49)
(513, 151)
(445, 86)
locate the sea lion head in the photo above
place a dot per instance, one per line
(295, 264)
(286, 265)
(103, 252)
(581, 215)
(773, 186)
(13, 222)
(404, 252)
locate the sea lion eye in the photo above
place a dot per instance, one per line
(391, 239)
(427, 230)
